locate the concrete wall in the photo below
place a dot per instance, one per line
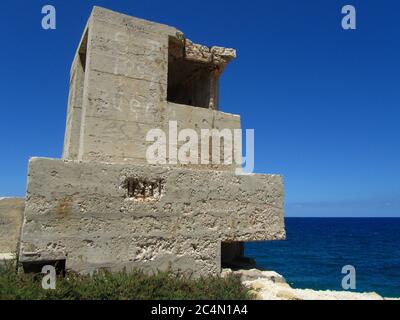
(122, 93)
(103, 205)
(11, 215)
(84, 212)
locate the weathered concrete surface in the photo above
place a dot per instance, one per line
(99, 215)
(120, 79)
(11, 216)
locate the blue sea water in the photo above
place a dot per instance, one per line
(316, 249)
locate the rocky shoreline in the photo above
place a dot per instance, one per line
(270, 285)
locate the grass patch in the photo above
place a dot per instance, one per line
(134, 285)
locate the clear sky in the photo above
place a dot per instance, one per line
(324, 102)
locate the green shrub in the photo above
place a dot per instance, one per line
(134, 285)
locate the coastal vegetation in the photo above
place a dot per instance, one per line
(134, 285)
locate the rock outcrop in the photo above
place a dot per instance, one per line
(11, 215)
(269, 285)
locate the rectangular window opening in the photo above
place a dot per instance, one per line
(36, 266)
(189, 82)
(232, 256)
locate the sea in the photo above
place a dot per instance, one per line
(317, 249)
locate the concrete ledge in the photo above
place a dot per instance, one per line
(102, 215)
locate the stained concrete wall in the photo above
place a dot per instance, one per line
(122, 93)
(11, 216)
(86, 213)
(125, 141)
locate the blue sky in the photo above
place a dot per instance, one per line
(324, 102)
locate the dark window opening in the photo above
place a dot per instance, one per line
(232, 256)
(83, 51)
(189, 82)
(36, 266)
(143, 189)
